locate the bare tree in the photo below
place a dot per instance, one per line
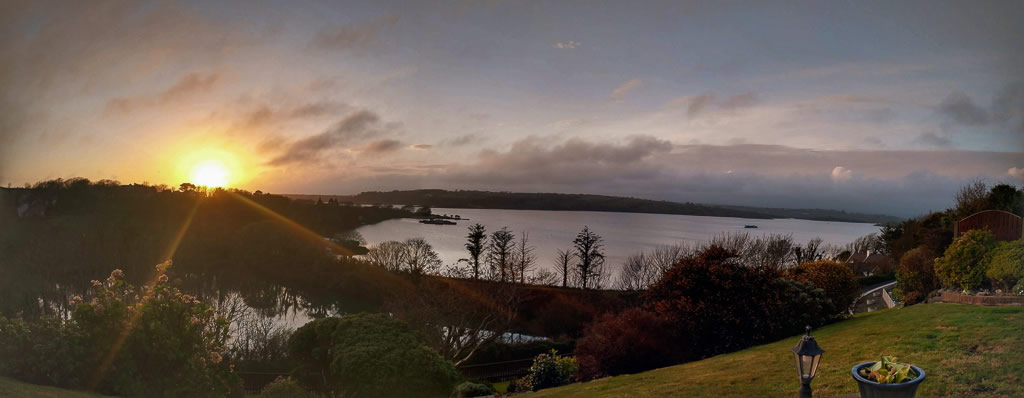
(499, 253)
(813, 251)
(590, 253)
(390, 255)
(458, 317)
(543, 277)
(420, 257)
(665, 256)
(476, 242)
(565, 266)
(638, 272)
(523, 258)
(972, 198)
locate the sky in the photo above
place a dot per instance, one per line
(871, 106)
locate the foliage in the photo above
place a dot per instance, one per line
(1019, 288)
(716, 304)
(499, 254)
(965, 261)
(1007, 263)
(838, 281)
(470, 389)
(476, 241)
(549, 370)
(916, 276)
(122, 341)
(628, 342)
(371, 355)
(888, 371)
(285, 388)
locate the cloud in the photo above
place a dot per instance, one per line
(620, 92)
(739, 101)
(840, 173)
(569, 45)
(382, 146)
(1009, 105)
(421, 147)
(264, 114)
(187, 86)
(933, 140)
(961, 109)
(911, 182)
(1016, 172)
(463, 140)
(356, 37)
(698, 104)
(347, 132)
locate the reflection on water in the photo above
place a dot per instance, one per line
(624, 233)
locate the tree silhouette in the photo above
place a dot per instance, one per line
(590, 252)
(475, 244)
(499, 253)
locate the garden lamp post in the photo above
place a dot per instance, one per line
(807, 355)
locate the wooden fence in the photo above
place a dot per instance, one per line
(1005, 226)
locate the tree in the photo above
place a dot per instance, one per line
(971, 198)
(475, 244)
(565, 265)
(523, 258)
(1006, 197)
(420, 257)
(384, 355)
(499, 253)
(389, 255)
(638, 272)
(965, 262)
(838, 281)
(589, 248)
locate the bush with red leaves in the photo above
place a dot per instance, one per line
(838, 281)
(632, 341)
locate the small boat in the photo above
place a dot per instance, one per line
(750, 226)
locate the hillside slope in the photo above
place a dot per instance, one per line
(965, 351)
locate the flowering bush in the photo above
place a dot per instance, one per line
(965, 262)
(153, 342)
(547, 371)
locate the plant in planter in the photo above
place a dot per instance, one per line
(887, 378)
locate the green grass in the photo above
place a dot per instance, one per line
(13, 388)
(966, 351)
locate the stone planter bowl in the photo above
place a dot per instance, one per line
(870, 389)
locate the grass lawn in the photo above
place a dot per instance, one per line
(13, 388)
(966, 351)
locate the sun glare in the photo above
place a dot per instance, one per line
(210, 173)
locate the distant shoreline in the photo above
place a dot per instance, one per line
(585, 202)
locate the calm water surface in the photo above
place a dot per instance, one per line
(624, 233)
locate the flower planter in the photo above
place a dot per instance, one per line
(870, 389)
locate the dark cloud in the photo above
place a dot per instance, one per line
(187, 86)
(698, 104)
(347, 132)
(382, 146)
(961, 109)
(355, 37)
(1008, 107)
(931, 139)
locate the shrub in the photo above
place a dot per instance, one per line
(285, 388)
(470, 389)
(715, 304)
(1019, 288)
(371, 355)
(1007, 263)
(549, 370)
(123, 342)
(876, 279)
(916, 277)
(964, 263)
(838, 281)
(632, 341)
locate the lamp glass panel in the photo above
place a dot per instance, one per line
(814, 368)
(807, 364)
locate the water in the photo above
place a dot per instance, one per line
(624, 233)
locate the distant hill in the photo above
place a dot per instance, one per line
(583, 202)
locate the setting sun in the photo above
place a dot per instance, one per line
(210, 173)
